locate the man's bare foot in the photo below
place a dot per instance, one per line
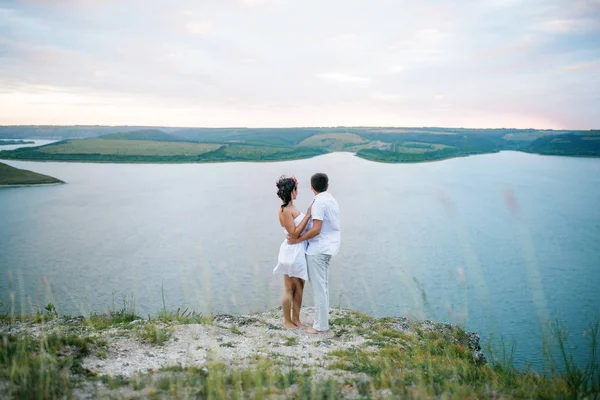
(313, 331)
(290, 325)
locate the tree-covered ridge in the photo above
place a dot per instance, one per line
(14, 142)
(120, 146)
(15, 176)
(143, 134)
(568, 145)
(153, 151)
(289, 135)
(402, 146)
(259, 136)
(263, 144)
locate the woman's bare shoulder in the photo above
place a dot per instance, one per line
(285, 210)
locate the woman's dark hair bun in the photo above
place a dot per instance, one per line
(285, 187)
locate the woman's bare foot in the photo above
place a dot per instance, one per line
(298, 324)
(313, 331)
(289, 325)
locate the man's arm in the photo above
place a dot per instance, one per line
(309, 234)
(287, 221)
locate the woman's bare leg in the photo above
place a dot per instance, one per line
(297, 301)
(286, 302)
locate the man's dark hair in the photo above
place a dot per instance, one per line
(319, 182)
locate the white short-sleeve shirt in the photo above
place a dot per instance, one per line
(325, 208)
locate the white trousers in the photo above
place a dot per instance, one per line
(318, 275)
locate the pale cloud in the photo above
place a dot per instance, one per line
(595, 65)
(274, 63)
(254, 3)
(559, 25)
(583, 24)
(198, 27)
(504, 3)
(342, 37)
(389, 97)
(428, 36)
(343, 78)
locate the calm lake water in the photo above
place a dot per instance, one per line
(499, 243)
(36, 142)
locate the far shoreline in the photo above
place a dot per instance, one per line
(31, 184)
(284, 160)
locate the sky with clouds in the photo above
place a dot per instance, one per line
(270, 63)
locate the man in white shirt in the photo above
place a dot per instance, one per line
(323, 242)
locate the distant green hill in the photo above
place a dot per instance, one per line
(143, 134)
(581, 144)
(255, 136)
(15, 176)
(153, 151)
(383, 144)
(50, 132)
(13, 142)
(415, 146)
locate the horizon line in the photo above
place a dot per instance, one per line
(290, 127)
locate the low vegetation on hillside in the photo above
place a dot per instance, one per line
(143, 134)
(124, 147)
(15, 176)
(183, 354)
(569, 144)
(397, 145)
(15, 142)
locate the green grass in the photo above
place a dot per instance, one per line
(110, 320)
(585, 382)
(439, 367)
(352, 319)
(115, 318)
(216, 381)
(44, 367)
(335, 141)
(426, 361)
(119, 147)
(233, 329)
(153, 334)
(15, 176)
(142, 151)
(185, 317)
(419, 148)
(238, 152)
(143, 134)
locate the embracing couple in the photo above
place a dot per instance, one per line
(312, 239)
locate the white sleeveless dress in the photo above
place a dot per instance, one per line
(292, 258)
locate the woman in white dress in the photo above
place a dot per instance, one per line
(291, 262)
